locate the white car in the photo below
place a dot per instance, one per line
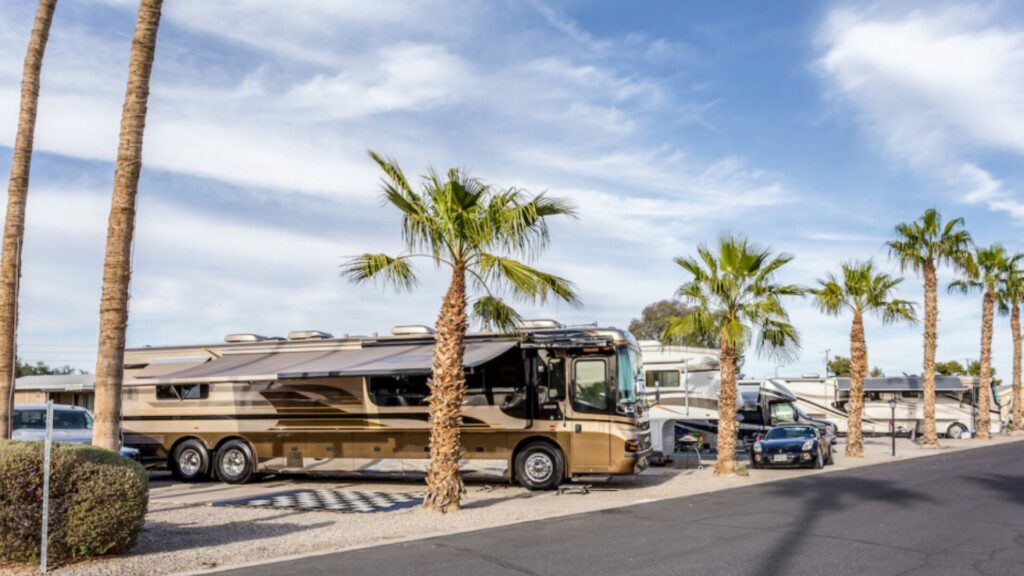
(71, 424)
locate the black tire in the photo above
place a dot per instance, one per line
(540, 466)
(955, 430)
(190, 461)
(234, 463)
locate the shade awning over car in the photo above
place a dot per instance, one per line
(907, 384)
(369, 361)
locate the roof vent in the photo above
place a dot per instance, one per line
(540, 324)
(239, 338)
(810, 376)
(412, 330)
(309, 335)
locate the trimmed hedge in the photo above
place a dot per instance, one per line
(98, 501)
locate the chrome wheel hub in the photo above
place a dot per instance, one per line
(539, 467)
(189, 462)
(234, 462)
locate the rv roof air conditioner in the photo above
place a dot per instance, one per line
(239, 338)
(309, 335)
(412, 330)
(540, 324)
(810, 376)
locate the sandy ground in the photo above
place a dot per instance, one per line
(183, 533)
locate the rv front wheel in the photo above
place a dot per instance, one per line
(540, 466)
(190, 462)
(234, 462)
(956, 430)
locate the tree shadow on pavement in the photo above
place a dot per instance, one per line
(814, 496)
(1008, 486)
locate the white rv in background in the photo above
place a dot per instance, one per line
(955, 410)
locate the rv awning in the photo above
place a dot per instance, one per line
(375, 360)
(907, 383)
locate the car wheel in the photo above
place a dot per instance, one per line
(955, 430)
(234, 462)
(190, 462)
(540, 466)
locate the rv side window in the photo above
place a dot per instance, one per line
(500, 382)
(402, 390)
(590, 386)
(664, 378)
(183, 392)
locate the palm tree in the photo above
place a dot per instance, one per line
(17, 196)
(464, 226)
(733, 295)
(922, 246)
(861, 290)
(117, 269)
(987, 272)
(1010, 296)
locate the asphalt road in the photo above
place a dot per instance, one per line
(958, 513)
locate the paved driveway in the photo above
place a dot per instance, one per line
(958, 513)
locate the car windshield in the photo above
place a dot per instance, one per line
(790, 432)
(629, 374)
(62, 420)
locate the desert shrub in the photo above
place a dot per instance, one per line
(98, 501)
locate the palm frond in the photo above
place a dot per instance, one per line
(394, 272)
(494, 314)
(525, 282)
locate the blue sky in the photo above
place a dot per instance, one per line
(811, 127)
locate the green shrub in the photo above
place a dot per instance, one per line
(98, 501)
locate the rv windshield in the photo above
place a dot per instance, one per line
(629, 375)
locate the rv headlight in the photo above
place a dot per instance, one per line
(757, 447)
(807, 445)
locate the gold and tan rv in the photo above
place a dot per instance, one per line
(548, 404)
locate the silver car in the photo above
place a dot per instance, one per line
(71, 424)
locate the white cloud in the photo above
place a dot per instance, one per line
(938, 87)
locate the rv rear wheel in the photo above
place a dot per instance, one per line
(190, 462)
(234, 462)
(956, 430)
(540, 466)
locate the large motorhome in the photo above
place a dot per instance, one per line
(548, 404)
(955, 410)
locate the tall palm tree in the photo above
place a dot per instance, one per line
(861, 289)
(17, 196)
(922, 246)
(733, 294)
(1010, 296)
(986, 274)
(117, 263)
(462, 225)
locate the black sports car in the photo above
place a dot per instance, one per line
(792, 445)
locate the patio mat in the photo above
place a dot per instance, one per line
(333, 500)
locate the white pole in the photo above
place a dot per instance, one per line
(46, 485)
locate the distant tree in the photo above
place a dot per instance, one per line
(839, 366)
(656, 316)
(43, 369)
(951, 368)
(877, 372)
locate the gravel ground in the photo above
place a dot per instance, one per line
(184, 534)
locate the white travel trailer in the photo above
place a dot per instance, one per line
(682, 385)
(955, 410)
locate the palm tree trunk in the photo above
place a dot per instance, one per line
(931, 313)
(17, 196)
(1018, 430)
(858, 369)
(447, 387)
(725, 465)
(985, 386)
(117, 262)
